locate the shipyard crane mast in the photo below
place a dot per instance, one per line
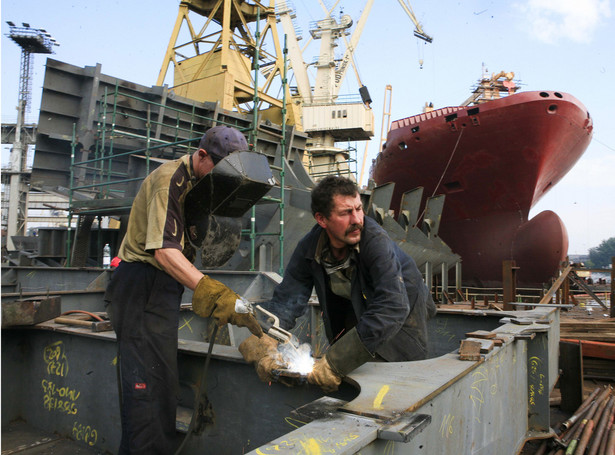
(324, 117)
(215, 62)
(31, 41)
(418, 30)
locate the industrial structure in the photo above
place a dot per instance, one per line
(31, 41)
(97, 138)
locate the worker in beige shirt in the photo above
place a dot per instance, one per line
(145, 292)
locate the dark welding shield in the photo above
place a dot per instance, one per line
(216, 203)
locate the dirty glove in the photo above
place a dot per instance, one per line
(323, 376)
(341, 358)
(213, 299)
(263, 353)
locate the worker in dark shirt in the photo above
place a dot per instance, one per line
(144, 295)
(373, 299)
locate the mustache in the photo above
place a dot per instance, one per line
(354, 227)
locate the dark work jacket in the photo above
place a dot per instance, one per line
(390, 300)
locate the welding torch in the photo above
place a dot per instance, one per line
(268, 321)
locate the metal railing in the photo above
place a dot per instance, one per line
(104, 182)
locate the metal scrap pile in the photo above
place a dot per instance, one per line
(589, 430)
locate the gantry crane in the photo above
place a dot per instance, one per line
(214, 64)
(324, 117)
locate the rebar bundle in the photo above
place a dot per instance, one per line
(589, 431)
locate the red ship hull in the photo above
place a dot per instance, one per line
(493, 162)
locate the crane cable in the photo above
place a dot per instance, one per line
(443, 174)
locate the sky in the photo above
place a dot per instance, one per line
(555, 45)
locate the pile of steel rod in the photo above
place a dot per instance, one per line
(589, 431)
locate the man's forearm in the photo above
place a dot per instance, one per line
(175, 264)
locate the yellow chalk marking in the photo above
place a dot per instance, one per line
(311, 447)
(186, 324)
(291, 421)
(378, 400)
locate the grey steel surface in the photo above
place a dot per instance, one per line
(8, 133)
(60, 378)
(20, 438)
(475, 407)
(75, 96)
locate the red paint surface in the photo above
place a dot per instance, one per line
(493, 167)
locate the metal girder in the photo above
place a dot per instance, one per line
(465, 400)
(8, 133)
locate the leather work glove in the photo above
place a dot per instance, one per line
(213, 299)
(323, 376)
(263, 353)
(341, 358)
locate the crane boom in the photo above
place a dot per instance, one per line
(295, 53)
(347, 59)
(418, 31)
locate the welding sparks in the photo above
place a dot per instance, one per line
(298, 359)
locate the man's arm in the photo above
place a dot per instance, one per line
(175, 264)
(290, 297)
(211, 298)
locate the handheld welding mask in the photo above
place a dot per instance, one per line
(215, 204)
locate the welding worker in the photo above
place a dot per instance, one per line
(144, 295)
(373, 299)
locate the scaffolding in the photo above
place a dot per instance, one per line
(330, 163)
(107, 180)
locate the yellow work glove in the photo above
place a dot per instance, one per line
(263, 353)
(323, 376)
(213, 299)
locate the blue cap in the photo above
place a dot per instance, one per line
(221, 140)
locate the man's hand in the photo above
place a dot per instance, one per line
(263, 353)
(323, 376)
(213, 299)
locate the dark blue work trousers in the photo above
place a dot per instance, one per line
(144, 311)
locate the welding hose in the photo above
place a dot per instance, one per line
(92, 315)
(199, 391)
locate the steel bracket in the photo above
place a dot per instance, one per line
(404, 428)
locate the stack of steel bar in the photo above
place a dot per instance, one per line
(589, 430)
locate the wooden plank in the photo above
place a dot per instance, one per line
(595, 348)
(470, 350)
(481, 334)
(603, 337)
(586, 288)
(553, 289)
(94, 326)
(485, 345)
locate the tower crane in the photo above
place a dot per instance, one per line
(323, 116)
(418, 30)
(214, 65)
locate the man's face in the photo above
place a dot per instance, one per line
(202, 163)
(345, 223)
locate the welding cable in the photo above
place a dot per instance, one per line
(198, 393)
(92, 315)
(450, 158)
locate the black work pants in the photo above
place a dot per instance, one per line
(144, 311)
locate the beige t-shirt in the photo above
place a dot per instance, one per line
(157, 214)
